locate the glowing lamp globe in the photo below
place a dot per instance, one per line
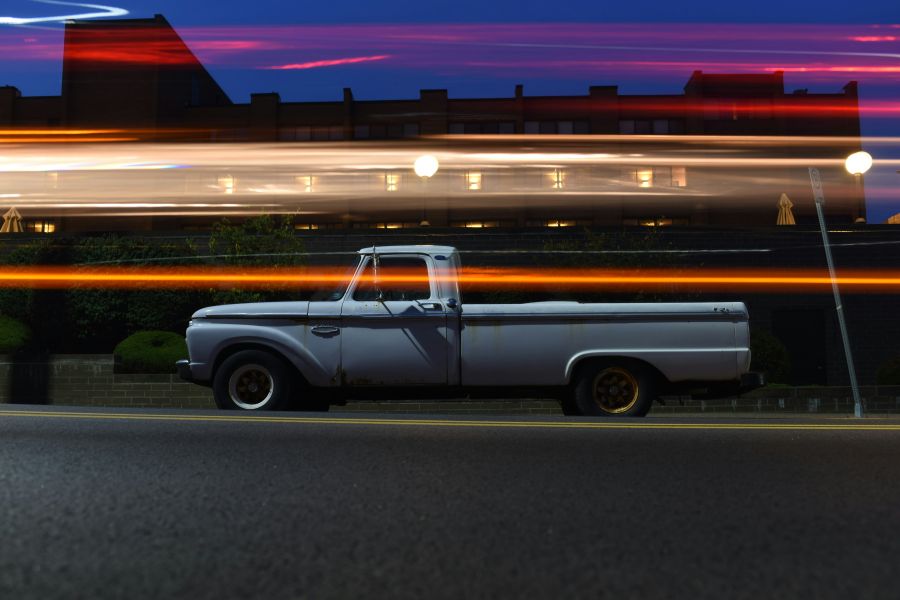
(426, 166)
(858, 163)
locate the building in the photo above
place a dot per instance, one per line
(656, 154)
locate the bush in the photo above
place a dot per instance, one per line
(770, 356)
(889, 372)
(13, 334)
(150, 352)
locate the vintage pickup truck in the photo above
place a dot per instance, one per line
(382, 334)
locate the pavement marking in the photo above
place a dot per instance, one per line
(452, 423)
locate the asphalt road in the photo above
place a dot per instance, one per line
(339, 506)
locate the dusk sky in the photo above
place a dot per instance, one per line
(475, 48)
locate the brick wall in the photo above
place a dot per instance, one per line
(88, 380)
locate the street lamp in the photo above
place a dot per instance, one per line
(425, 167)
(857, 164)
(819, 194)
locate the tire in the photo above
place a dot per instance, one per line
(253, 380)
(615, 389)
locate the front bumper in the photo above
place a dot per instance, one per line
(184, 369)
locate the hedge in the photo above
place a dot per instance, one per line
(150, 352)
(13, 334)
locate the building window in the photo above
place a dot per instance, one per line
(361, 132)
(473, 181)
(391, 182)
(306, 226)
(661, 126)
(456, 128)
(40, 226)
(410, 130)
(644, 177)
(557, 179)
(394, 131)
(558, 223)
(507, 127)
(565, 127)
(549, 127)
(475, 224)
(532, 127)
(626, 127)
(227, 183)
(294, 134)
(679, 177)
(306, 183)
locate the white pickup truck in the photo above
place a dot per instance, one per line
(384, 335)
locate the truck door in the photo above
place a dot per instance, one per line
(395, 328)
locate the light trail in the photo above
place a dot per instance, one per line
(316, 64)
(472, 278)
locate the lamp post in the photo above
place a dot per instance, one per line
(425, 167)
(816, 181)
(857, 164)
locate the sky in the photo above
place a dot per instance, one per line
(480, 48)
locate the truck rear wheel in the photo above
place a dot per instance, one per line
(253, 380)
(623, 389)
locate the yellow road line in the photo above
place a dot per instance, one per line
(587, 424)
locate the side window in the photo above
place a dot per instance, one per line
(399, 278)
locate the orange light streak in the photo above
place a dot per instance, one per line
(472, 277)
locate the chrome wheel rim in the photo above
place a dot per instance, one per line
(615, 390)
(251, 386)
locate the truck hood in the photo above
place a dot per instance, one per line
(254, 310)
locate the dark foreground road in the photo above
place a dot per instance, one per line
(343, 507)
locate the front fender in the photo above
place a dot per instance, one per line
(207, 340)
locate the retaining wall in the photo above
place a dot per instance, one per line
(89, 380)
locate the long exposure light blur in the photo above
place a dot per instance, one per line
(74, 178)
(479, 278)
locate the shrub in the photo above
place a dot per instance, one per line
(770, 356)
(889, 372)
(150, 352)
(13, 334)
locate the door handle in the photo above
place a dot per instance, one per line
(431, 305)
(325, 330)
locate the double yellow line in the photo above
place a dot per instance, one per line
(580, 424)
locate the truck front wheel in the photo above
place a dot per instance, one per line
(615, 390)
(253, 380)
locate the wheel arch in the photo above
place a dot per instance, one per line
(579, 363)
(232, 349)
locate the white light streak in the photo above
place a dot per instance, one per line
(106, 11)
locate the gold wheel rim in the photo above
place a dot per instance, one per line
(615, 390)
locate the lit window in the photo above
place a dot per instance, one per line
(558, 179)
(679, 177)
(391, 182)
(555, 223)
(306, 226)
(306, 183)
(473, 181)
(644, 178)
(40, 227)
(227, 183)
